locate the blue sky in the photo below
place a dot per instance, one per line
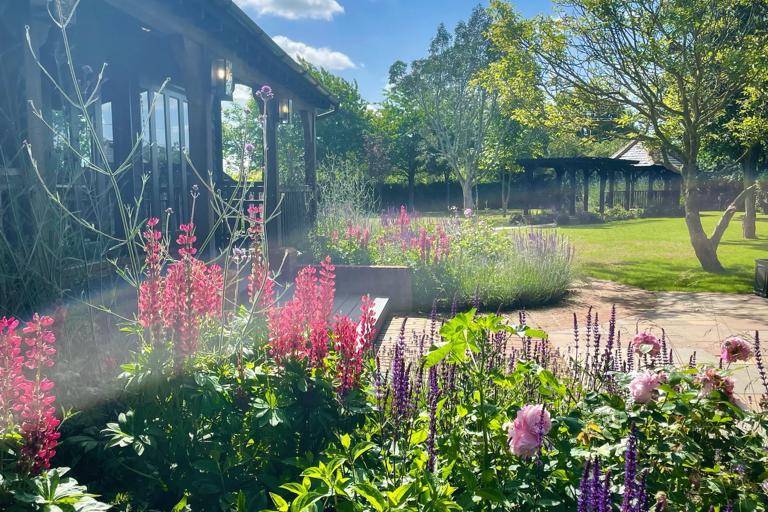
(360, 39)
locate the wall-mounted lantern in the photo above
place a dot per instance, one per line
(223, 79)
(286, 110)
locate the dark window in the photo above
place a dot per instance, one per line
(162, 159)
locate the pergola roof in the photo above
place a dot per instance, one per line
(579, 163)
(637, 151)
(624, 162)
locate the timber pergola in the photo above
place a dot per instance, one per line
(568, 170)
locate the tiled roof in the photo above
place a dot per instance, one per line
(639, 152)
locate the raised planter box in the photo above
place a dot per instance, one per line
(761, 277)
(391, 282)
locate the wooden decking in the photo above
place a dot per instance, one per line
(349, 305)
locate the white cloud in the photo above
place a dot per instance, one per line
(322, 57)
(295, 9)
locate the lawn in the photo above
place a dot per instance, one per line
(656, 254)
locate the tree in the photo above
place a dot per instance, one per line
(748, 128)
(674, 64)
(342, 134)
(401, 127)
(456, 109)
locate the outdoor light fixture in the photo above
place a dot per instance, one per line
(286, 109)
(223, 79)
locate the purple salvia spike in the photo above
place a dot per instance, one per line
(761, 365)
(576, 337)
(596, 339)
(630, 473)
(585, 488)
(434, 394)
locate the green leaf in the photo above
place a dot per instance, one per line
(397, 496)
(280, 503)
(372, 495)
(181, 506)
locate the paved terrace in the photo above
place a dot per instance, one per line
(694, 322)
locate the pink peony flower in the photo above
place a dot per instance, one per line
(468, 212)
(646, 343)
(711, 380)
(643, 386)
(526, 433)
(735, 349)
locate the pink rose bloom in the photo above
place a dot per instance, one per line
(735, 349)
(646, 343)
(711, 380)
(525, 434)
(468, 212)
(643, 386)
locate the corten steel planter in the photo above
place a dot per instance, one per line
(761, 277)
(392, 282)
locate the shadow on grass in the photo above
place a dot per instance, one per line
(659, 276)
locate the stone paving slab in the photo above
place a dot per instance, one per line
(693, 322)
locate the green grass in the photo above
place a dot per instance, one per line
(656, 254)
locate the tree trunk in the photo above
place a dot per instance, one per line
(705, 250)
(411, 186)
(469, 199)
(749, 167)
(447, 179)
(505, 188)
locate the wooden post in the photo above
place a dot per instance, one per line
(627, 189)
(308, 121)
(611, 188)
(666, 198)
(649, 199)
(585, 173)
(196, 69)
(572, 191)
(38, 136)
(271, 178)
(559, 194)
(602, 191)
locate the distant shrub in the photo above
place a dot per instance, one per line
(620, 213)
(502, 269)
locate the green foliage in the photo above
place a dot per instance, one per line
(222, 429)
(503, 269)
(457, 111)
(342, 134)
(696, 450)
(49, 492)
